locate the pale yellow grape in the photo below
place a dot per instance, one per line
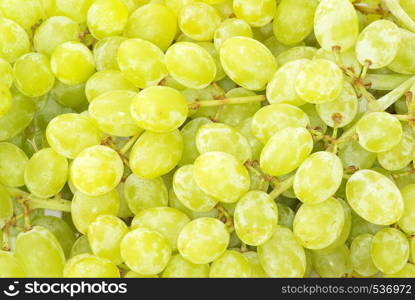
(203, 240)
(353, 155)
(337, 263)
(156, 154)
(171, 82)
(75, 9)
(177, 5)
(124, 211)
(188, 192)
(256, 146)
(145, 251)
(167, 221)
(33, 68)
(159, 109)
(257, 269)
(408, 271)
(282, 255)
(336, 24)
(378, 43)
(286, 150)
(112, 113)
(318, 177)
(360, 254)
(191, 65)
(272, 118)
(389, 250)
(406, 222)
(403, 62)
(14, 41)
(105, 81)
(6, 73)
(210, 47)
(230, 28)
(247, 62)
(348, 58)
(231, 264)
(317, 226)
(5, 99)
(10, 266)
(256, 12)
(281, 88)
(374, 197)
(285, 216)
(199, 21)
(132, 274)
(295, 53)
(69, 134)
(255, 218)
(90, 266)
(294, 20)
(13, 162)
(72, 63)
(223, 138)
(105, 53)
(85, 209)
(379, 131)
(141, 62)
(46, 173)
(319, 81)
(34, 248)
(179, 267)
(26, 13)
(233, 182)
(6, 212)
(211, 2)
(275, 46)
(53, 32)
(105, 235)
(361, 226)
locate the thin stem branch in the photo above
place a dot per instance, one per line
(130, 143)
(398, 12)
(281, 187)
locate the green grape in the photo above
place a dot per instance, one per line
(336, 24)
(211, 2)
(199, 21)
(14, 41)
(282, 255)
(72, 63)
(188, 193)
(291, 28)
(223, 138)
(353, 155)
(408, 271)
(70, 134)
(402, 62)
(318, 177)
(90, 266)
(37, 246)
(10, 266)
(105, 53)
(231, 264)
(211, 92)
(26, 13)
(85, 209)
(256, 268)
(72, 96)
(281, 88)
(167, 221)
(112, 112)
(81, 246)
(379, 131)
(163, 25)
(6, 212)
(141, 62)
(105, 235)
(360, 254)
(295, 53)
(256, 146)
(255, 218)
(203, 240)
(106, 81)
(319, 81)
(275, 46)
(336, 263)
(5, 100)
(226, 84)
(53, 32)
(406, 222)
(401, 106)
(378, 43)
(132, 274)
(124, 211)
(145, 251)
(75, 9)
(96, 170)
(177, 5)
(272, 118)
(361, 226)
(389, 250)
(30, 68)
(348, 58)
(230, 28)
(191, 65)
(6, 73)
(171, 82)
(374, 197)
(286, 150)
(317, 226)
(255, 12)
(285, 216)
(210, 47)
(178, 267)
(189, 131)
(247, 62)
(159, 109)
(47, 111)
(233, 182)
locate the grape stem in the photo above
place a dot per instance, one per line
(367, 10)
(385, 82)
(129, 144)
(281, 186)
(225, 217)
(398, 12)
(218, 102)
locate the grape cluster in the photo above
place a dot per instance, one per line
(207, 138)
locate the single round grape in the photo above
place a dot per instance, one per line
(317, 226)
(81, 246)
(286, 150)
(145, 251)
(230, 28)
(408, 271)
(361, 226)
(6, 73)
(210, 47)
(379, 131)
(295, 53)
(231, 264)
(5, 100)
(245, 127)
(75, 9)
(247, 62)
(14, 41)
(90, 266)
(360, 254)
(233, 182)
(203, 240)
(256, 267)
(26, 13)
(69, 134)
(179, 267)
(124, 211)
(71, 96)
(156, 154)
(285, 216)
(10, 266)
(105, 53)
(336, 263)
(353, 155)
(6, 211)
(402, 62)
(406, 222)
(256, 12)
(85, 209)
(374, 197)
